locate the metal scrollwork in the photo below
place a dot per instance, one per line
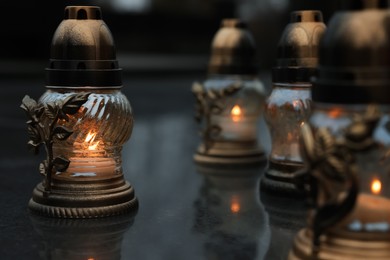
(330, 173)
(210, 102)
(42, 128)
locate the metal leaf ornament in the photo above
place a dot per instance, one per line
(211, 102)
(333, 182)
(330, 174)
(42, 128)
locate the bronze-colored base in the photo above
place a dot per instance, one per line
(230, 154)
(336, 248)
(279, 179)
(84, 199)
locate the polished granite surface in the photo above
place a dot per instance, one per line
(183, 213)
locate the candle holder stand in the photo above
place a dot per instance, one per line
(230, 101)
(289, 103)
(82, 120)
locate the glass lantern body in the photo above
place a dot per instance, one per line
(241, 110)
(371, 212)
(100, 128)
(287, 108)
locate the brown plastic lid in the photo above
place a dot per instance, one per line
(297, 56)
(83, 51)
(354, 63)
(233, 49)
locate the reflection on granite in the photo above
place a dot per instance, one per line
(229, 214)
(183, 214)
(287, 216)
(81, 239)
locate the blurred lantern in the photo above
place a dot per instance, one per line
(230, 101)
(83, 120)
(347, 144)
(289, 104)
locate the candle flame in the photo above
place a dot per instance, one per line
(89, 139)
(376, 186)
(335, 112)
(93, 147)
(235, 206)
(236, 113)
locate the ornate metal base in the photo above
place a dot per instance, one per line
(278, 179)
(337, 248)
(84, 199)
(230, 154)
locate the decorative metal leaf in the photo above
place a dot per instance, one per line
(33, 133)
(307, 143)
(39, 110)
(33, 146)
(28, 104)
(31, 108)
(217, 108)
(61, 163)
(42, 168)
(73, 103)
(197, 88)
(51, 110)
(62, 133)
(211, 94)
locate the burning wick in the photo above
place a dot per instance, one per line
(89, 139)
(235, 205)
(236, 113)
(376, 186)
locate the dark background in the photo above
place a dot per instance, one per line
(149, 34)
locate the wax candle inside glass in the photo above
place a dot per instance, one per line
(372, 209)
(94, 148)
(241, 111)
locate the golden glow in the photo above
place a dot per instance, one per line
(93, 147)
(335, 112)
(235, 206)
(91, 258)
(89, 139)
(236, 113)
(376, 186)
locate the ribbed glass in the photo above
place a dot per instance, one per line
(100, 128)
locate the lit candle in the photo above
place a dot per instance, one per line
(90, 141)
(376, 186)
(83, 120)
(235, 125)
(235, 205)
(230, 101)
(236, 113)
